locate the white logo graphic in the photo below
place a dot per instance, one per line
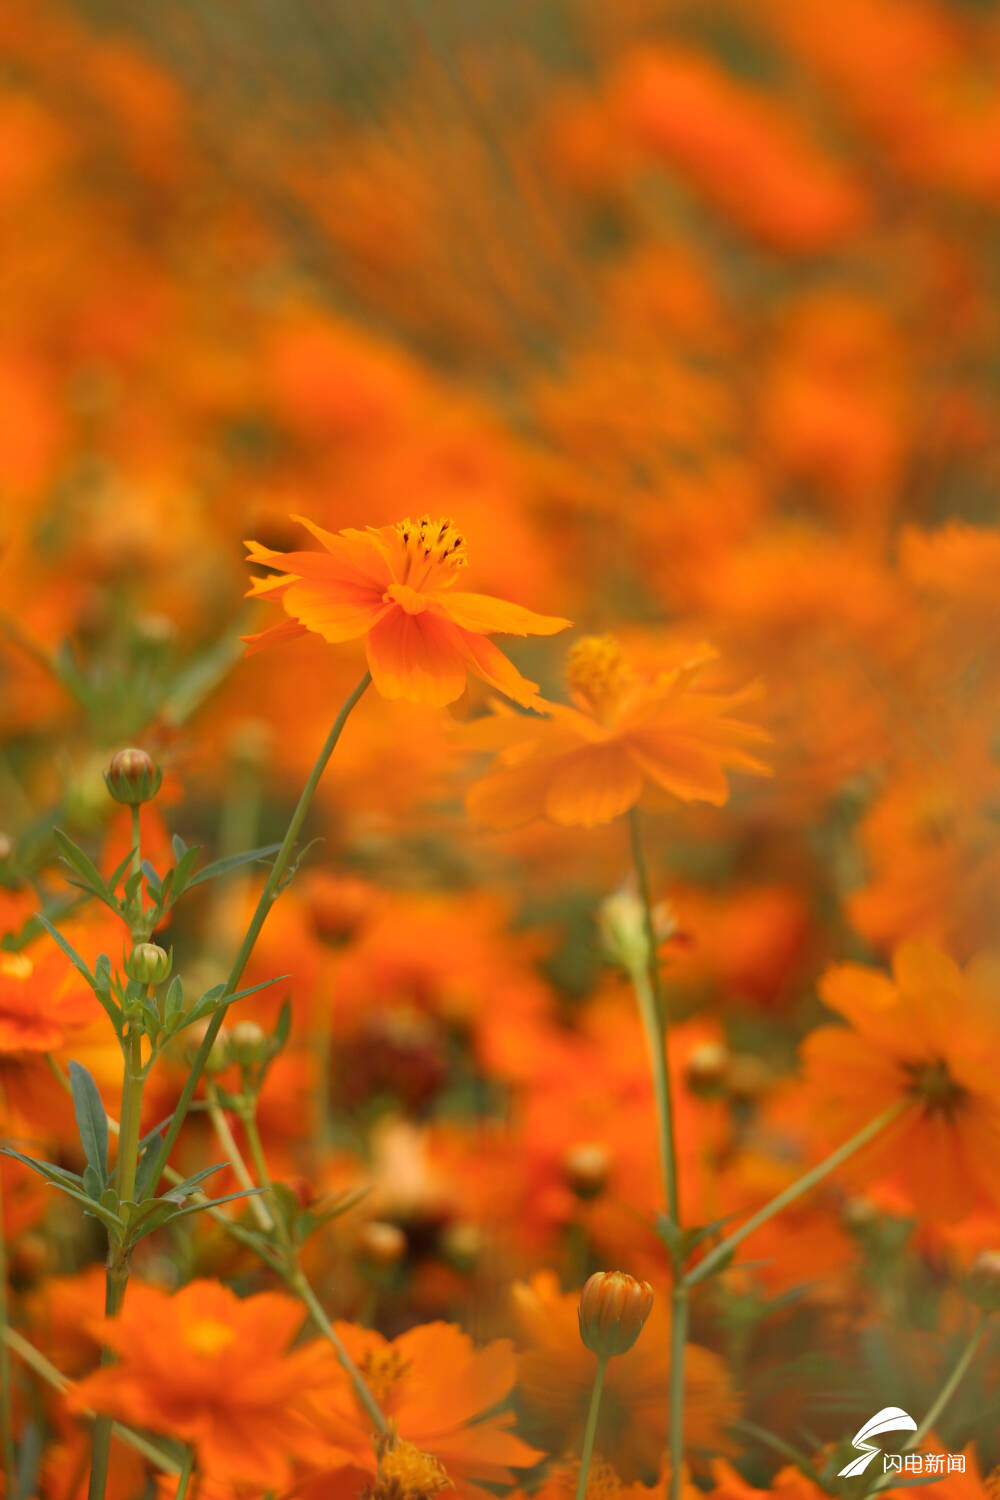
(889, 1419)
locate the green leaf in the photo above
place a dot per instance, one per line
(144, 1169)
(220, 867)
(82, 864)
(92, 1184)
(153, 881)
(173, 1001)
(182, 1189)
(120, 869)
(91, 1120)
(184, 869)
(211, 999)
(160, 1217)
(179, 847)
(66, 1182)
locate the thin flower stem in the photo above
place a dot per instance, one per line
(678, 1348)
(299, 1284)
(184, 1477)
(36, 1361)
(587, 1451)
(136, 855)
(249, 1118)
(720, 1252)
(228, 1143)
(264, 904)
(6, 1421)
(653, 1013)
(941, 1400)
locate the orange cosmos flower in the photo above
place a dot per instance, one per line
(630, 732)
(212, 1370)
(42, 1002)
(441, 1396)
(929, 1037)
(394, 585)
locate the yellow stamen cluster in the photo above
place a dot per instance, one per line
(598, 671)
(382, 1370)
(15, 966)
(208, 1337)
(407, 1473)
(434, 542)
(603, 1482)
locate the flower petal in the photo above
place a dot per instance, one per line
(417, 657)
(592, 785)
(483, 614)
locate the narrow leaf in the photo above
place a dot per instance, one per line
(220, 867)
(91, 1119)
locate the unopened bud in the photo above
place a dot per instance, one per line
(613, 1308)
(747, 1077)
(706, 1067)
(587, 1167)
(247, 1043)
(132, 777)
(148, 963)
(622, 926)
(219, 1058)
(6, 846)
(338, 905)
(462, 1245)
(381, 1245)
(987, 1266)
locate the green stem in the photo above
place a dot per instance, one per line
(939, 1403)
(678, 1349)
(587, 1451)
(653, 1013)
(228, 1143)
(297, 1281)
(249, 1118)
(114, 1295)
(725, 1247)
(117, 1269)
(6, 1420)
(136, 841)
(267, 898)
(183, 1479)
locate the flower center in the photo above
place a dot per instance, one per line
(209, 1337)
(382, 1370)
(429, 544)
(603, 1482)
(598, 671)
(16, 966)
(405, 1473)
(932, 1083)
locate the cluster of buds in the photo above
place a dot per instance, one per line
(613, 1309)
(133, 777)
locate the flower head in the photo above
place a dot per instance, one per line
(928, 1038)
(629, 733)
(213, 1370)
(394, 585)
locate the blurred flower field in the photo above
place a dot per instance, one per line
(499, 749)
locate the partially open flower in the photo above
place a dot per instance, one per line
(613, 1308)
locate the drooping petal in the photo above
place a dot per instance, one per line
(592, 785)
(484, 615)
(276, 635)
(417, 657)
(688, 770)
(511, 796)
(489, 663)
(337, 612)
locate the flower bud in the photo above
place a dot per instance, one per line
(6, 846)
(148, 963)
(587, 1167)
(987, 1266)
(622, 926)
(613, 1308)
(248, 1043)
(381, 1245)
(133, 777)
(706, 1068)
(461, 1246)
(219, 1058)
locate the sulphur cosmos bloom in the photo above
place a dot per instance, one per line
(394, 585)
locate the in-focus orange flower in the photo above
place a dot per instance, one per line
(441, 1394)
(630, 733)
(395, 586)
(214, 1371)
(928, 1037)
